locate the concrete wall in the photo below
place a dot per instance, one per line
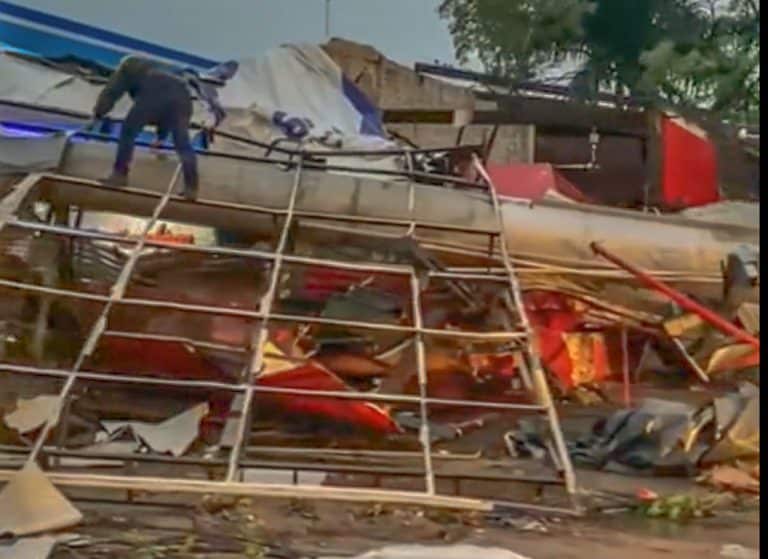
(392, 86)
(513, 144)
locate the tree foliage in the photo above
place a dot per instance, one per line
(689, 53)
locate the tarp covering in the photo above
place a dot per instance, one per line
(302, 92)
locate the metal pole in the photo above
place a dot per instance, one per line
(261, 333)
(684, 301)
(540, 382)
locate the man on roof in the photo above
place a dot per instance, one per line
(161, 98)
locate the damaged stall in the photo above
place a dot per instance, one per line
(332, 320)
(326, 353)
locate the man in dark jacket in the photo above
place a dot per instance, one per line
(160, 98)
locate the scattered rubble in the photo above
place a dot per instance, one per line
(30, 504)
(384, 327)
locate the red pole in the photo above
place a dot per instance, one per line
(685, 302)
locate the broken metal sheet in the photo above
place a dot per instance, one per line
(363, 304)
(749, 316)
(733, 357)
(173, 435)
(229, 435)
(107, 447)
(742, 266)
(28, 548)
(31, 414)
(30, 504)
(742, 438)
(650, 437)
(727, 410)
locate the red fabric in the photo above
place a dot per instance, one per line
(170, 359)
(313, 377)
(531, 181)
(552, 315)
(689, 167)
(155, 358)
(321, 282)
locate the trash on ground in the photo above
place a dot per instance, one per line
(31, 414)
(31, 504)
(732, 478)
(174, 435)
(662, 437)
(438, 552)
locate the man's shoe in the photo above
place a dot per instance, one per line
(116, 180)
(189, 193)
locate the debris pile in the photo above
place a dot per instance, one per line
(379, 329)
(662, 437)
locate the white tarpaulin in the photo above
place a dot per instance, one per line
(300, 92)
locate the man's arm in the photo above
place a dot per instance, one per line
(116, 87)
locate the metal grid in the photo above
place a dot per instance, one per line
(532, 373)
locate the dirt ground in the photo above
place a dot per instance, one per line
(218, 528)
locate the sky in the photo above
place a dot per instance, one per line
(404, 30)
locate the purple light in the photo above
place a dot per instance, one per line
(11, 131)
